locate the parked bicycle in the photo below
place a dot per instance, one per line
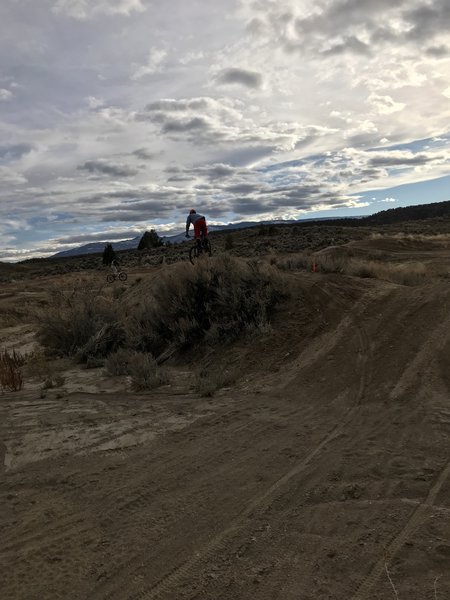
(202, 246)
(121, 276)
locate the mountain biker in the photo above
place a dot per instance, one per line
(199, 223)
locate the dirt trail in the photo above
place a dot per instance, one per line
(303, 482)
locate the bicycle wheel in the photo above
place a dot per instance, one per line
(193, 253)
(110, 278)
(123, 276)
(207, 247)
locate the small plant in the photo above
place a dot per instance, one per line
(118, 363)
(208, 383)
(10, 374)
(53, 382)
(145, 373)
(229, 242)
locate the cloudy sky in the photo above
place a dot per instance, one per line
(121, 115)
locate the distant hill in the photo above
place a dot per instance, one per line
(409, 213)
(385, 217)
(132, 244)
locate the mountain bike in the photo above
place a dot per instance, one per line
(202, 246)
(121, 276)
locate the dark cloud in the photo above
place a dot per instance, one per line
(216, 171)
(13, 152)
(169, 105)
(350, 44)
(184, 125)
(104, 167)
(438, 51)
(428, 20)
(242, 188)
(144, 154)
(250, 79)
(394, 161)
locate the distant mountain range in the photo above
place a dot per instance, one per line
(132, 244)
(393, 215)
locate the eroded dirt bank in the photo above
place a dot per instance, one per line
(324, 465)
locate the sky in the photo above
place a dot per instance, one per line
(118, 116)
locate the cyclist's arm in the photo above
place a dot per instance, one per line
(188, 224)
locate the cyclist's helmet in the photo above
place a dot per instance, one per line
(192, 211)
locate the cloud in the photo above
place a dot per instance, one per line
(398, 158)
(94, 102)
(12, 152)
(385, 104)
(440, 51)
(10, 176)
(105, 167)
(388, 199)
(250, 79)
(5, 95)
(144, 154)
(221, 122)
(153, 65)
(100, 236)
(87, 9)
(349, 44)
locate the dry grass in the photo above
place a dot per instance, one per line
(408, 273)
(142, 368)
(145, 373)
(208, 382)
(440, 239)
(10, 373)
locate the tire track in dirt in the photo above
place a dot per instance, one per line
(261, 503)
(38, 541)
(417, 518)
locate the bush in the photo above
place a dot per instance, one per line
(118, 363)
(207, 383)
(82, 323)
(216, 300)
(10, 373)
(145, 373)
(229, 242)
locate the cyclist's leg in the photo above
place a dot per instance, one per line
(197, 234)
(204, 232)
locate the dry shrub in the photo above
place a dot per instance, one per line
(217, 299)
(81, 322)
(145, 373)
(10, 373)
(118, 363)
(53, 382)
(207, 383)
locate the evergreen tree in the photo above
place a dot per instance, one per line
(108, 255)
(150, 239)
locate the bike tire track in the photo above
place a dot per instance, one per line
(220, 542)
(416, 519)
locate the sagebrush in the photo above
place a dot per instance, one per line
(10, 373)
(217, 299)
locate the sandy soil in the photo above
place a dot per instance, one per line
(323, 473)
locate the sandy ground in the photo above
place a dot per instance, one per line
(322, 474)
